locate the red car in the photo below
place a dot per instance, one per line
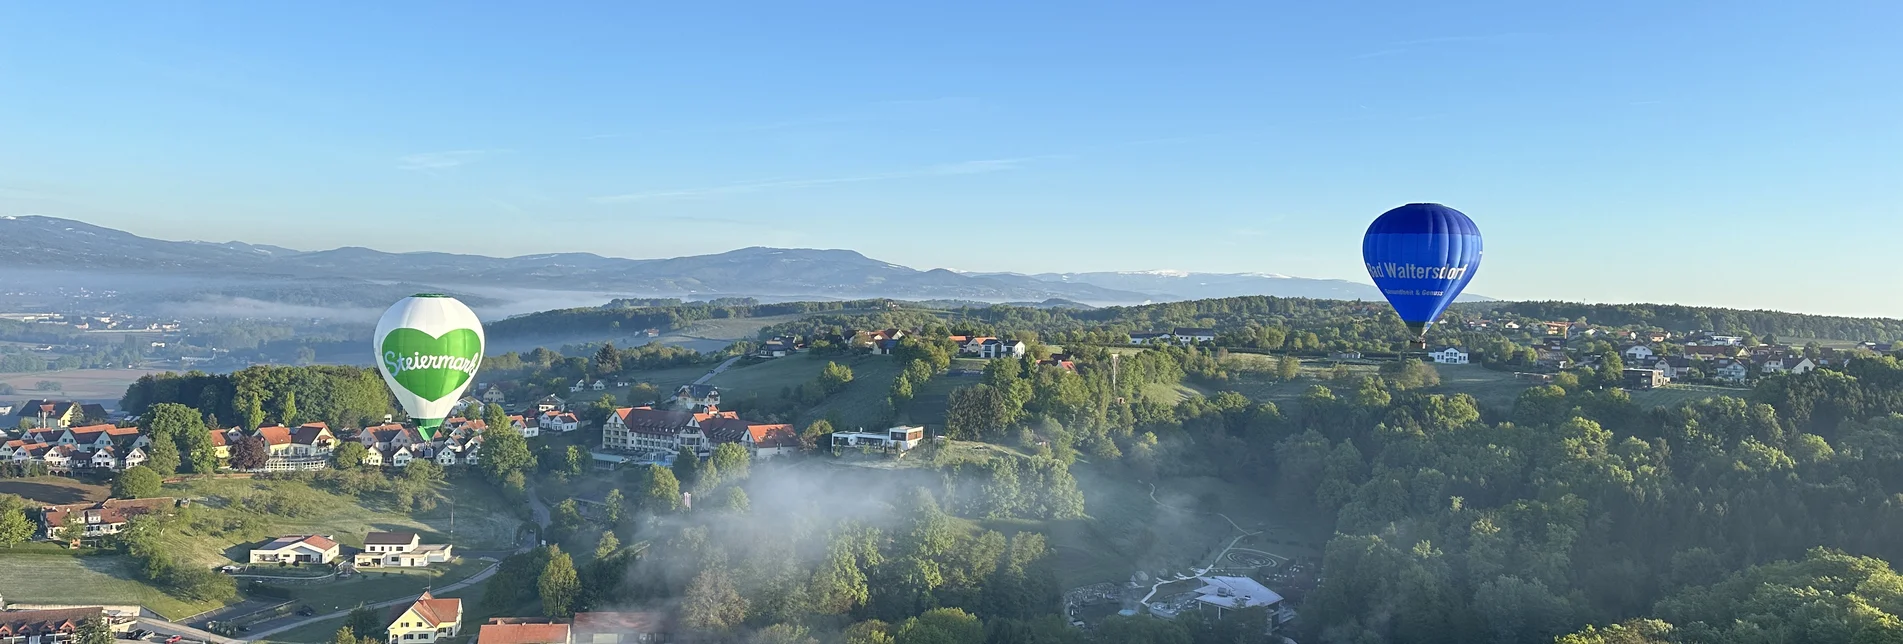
(174, 639)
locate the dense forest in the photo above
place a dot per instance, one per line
(340, 396)
(1673, 317)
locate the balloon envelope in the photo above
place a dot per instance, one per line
(428, 348)
(1421, 255)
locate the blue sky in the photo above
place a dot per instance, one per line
(1728, 153)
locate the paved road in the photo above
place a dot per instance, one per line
(723, 367)
(169, 628)
(465, 583)
(537, 509)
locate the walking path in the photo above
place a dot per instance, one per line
(1219, 554)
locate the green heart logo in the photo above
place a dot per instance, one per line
(429, 366)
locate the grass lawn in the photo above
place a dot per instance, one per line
(1672, 395)
(57, 490)
(483, 520)
(929, 401)
(862, 402)
(1492, 388)
(474, 613)
(765, 378)
(373, 585)
(60, 578)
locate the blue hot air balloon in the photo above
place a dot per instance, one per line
(1421, 255)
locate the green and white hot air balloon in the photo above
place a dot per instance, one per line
(428, 348)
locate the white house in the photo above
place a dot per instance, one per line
(996, 348)
(1789, 364)
(297, 549)
(600, 385)
(1190, 335)
(559, 422)
(400, 550)
(698, 395)
(1148, 337)
(494, 395)
(900, 438)
(1449, 355)
(1637, 352)
(1731, 371)
(578, 386)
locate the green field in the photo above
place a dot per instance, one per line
(61, 578)
(379, 584)
(1672, 395)
(56, 490)
(863, 401)
(1491, 388)
(482, 519)
(474, 611)
(767, 377)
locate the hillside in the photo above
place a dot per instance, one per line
(38, 242)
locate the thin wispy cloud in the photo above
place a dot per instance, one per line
(875, 111)
(980, 166)
(441, 160)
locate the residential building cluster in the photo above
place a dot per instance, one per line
(694, 422)
(1178, 335)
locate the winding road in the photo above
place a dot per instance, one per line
(1219, 555)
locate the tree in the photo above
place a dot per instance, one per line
(731, 460)
(599, 411)
(137, 482)
(816, 431)
(15, 528)
(251, 453)
(349, 455)
(1288, 367)
(614, 504)
(162, 457)
(559, 584)
(660, 490)
(94, 631)
(686, 466)
(423, 472)
(712, 603)
(607, 545)
(868, 632)
(505, 452)
(49, 385)
(366, 623)
(736, 500)
(607, 360)
(574, 460)
(253, 412)
(783, 634)
(287, 408)
(496, 419)
(941, 626)
(345, 635)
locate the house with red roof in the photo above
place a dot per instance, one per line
(502, 630)
(102, 518)
(308, 548)
(425, 620)
(57, 625)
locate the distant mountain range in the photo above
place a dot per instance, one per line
(48, 243)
